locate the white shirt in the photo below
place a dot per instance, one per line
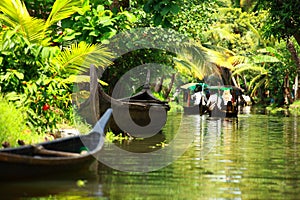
(197, 97)
(213, 100)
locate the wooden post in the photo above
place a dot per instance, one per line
(188, 98)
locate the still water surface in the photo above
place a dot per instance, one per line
(252, 157)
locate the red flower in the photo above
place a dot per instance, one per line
(46, 107)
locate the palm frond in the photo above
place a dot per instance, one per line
(79, 57)
(14, 9)
(219, 59)
(219, 49)
(187, 67)
(62, 9)
(34, 29)
(255, 80)
(264, 59)
(260, 83)
(254, 30)
(198, 60)
(248, 67)
(15, 15)
(14, 12)
(7, 21)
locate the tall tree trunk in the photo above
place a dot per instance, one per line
(245, 83)
(297, 37)
(158, 85)
(286, 90)
(295, 57)
(117, 4)
(295, 86)
(170, 86)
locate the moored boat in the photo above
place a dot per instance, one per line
(140, 115)
(65, 155)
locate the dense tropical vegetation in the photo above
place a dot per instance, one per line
(43, 46)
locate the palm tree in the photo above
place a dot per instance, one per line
(54, 67)
(36, 31)
(198, 61)
(259, 76)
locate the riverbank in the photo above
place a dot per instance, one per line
(287, 110)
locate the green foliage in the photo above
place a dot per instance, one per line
(195, 18)
(78, 58)
(283, 19)
(162, 11)
(13, 125)
(16, 15)
(35, 75)
(39, 8)
(112, 137)
(237, 31)
(94, 25)
(48, 101)
(21, 61)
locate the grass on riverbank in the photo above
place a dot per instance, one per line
(13, 128)
(294, 108)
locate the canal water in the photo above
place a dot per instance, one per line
(253, 157)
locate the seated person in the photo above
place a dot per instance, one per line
(199, 94)
(214, 101)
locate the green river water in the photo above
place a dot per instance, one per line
(253, 157)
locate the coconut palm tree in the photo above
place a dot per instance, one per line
(198, 61)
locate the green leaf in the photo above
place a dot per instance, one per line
(165, 10)
(175, 9)
(80, 56)
(264, 59)
(93, 33)
(19, 75)
(157, 19)
(148, 6)
(130, 17)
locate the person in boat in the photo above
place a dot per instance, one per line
(214, 101)
(227, 100)
(199, 95)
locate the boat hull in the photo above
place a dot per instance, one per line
(65, 155)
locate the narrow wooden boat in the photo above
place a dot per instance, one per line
(223, 113)
(198, 109)
(195, 110)
(230, 110)
(65, 155)
(140, 115)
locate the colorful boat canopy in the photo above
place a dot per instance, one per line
(192, 86)
(224, 87)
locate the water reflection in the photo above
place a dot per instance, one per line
(252, 157)
(51, 185)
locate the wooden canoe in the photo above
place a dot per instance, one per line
(195, 110)
(137, 115)
(223, 113)
(51, 158)
(131, 114)
(230, 110)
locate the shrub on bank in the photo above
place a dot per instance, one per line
(13, 126)
(294, 108)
